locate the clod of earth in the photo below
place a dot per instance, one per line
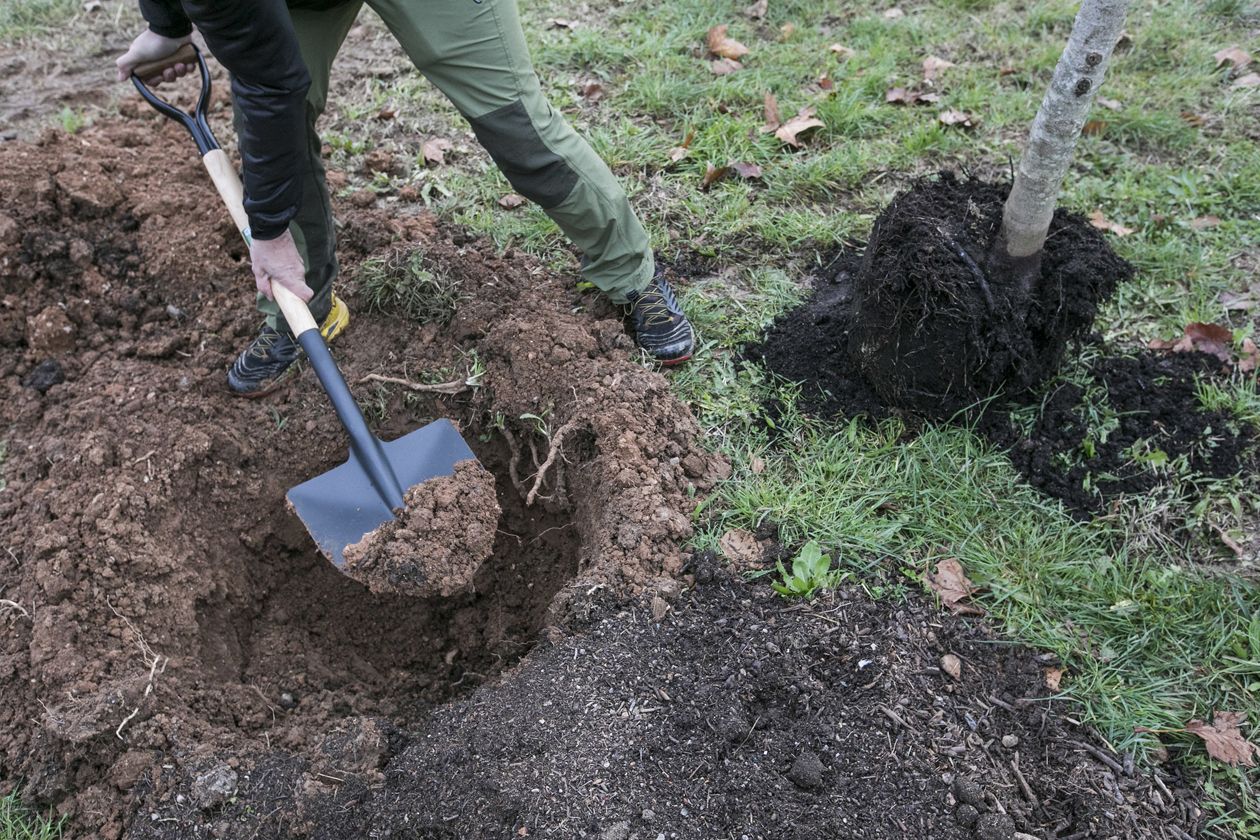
(932, 331)
(437, 544)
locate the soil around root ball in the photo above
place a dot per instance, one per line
(437, 543)
(931, 331)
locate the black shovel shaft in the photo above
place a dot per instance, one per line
(364, 445)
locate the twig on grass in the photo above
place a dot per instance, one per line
(455, 386)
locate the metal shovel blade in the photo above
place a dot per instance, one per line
(342, 506)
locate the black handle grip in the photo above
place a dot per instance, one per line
(194, 120)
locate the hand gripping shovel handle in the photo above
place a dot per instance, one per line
(365, 446)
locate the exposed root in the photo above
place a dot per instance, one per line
(455, 386)
(515, 449)
(557, 440)
(155, 662)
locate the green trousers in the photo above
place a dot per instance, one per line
(474, 51)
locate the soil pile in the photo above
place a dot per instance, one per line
(732, 713)
(930, 331)
(437, 543)
(1124, 428)
(169, 610)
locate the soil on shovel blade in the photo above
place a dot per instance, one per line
(437, 543)
(941, 350)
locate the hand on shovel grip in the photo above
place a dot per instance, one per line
(154, 58)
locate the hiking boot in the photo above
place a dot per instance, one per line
(264, 364)
(660, 327)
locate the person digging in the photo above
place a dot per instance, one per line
(280, 57)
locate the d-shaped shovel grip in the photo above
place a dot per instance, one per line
(365, 446)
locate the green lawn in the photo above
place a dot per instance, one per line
(1154, 630)
(17, 823)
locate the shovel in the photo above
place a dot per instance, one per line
(346, 503)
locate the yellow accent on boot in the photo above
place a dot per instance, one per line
(337, 321)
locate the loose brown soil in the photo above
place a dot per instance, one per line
(437, 544)
(168, 608)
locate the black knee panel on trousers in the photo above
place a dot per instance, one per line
(534, 170)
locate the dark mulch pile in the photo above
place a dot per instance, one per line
(1152, 395)
(731, 714)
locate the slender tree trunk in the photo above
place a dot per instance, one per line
(1016, 255)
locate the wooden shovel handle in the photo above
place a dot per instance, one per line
(187, 54)
(217, 163)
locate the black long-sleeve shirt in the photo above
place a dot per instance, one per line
(255, 41)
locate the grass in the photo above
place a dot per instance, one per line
(404, 283)
(1153, 633)
(26, 18)
(17, 823)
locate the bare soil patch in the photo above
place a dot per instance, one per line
(171, 609)
(730, 713)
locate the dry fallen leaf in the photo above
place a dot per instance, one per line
(1241, 301)
(1109, 104)
(771, 107)
(1249, 81)
(1249, 358)
(1054, 676)
(902, 96)
(592, 91)
(92, 6)
(842, 52)
(960, 118)
(741, 548)
(791, 130)
(511, 201)
(1223, 739)
(932, 67)
(756, 464)
(724, 66)
(1204, 222)
(952, 665)
(1213, 339)
(894, 13)
(825, 83)
(723, 46)
(786, 31)
(560, 23)
(1093, 127)
(1191, 118)
(660, 608)
(1098, 220)
(1235, 56)
(951, 584)
(434, 151)
(757, 10)
(679, 152)
(387, 113)
(713, 174)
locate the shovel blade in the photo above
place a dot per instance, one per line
(341, 506)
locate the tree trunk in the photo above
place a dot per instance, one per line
(1016, 254)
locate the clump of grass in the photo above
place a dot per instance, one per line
(18, 823)
(404, 283)
(21, 18)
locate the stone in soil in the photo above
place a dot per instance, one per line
(437, 542)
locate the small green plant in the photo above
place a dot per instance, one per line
(403, 282)
(811, 571)
(18, 823)
(71, 120)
